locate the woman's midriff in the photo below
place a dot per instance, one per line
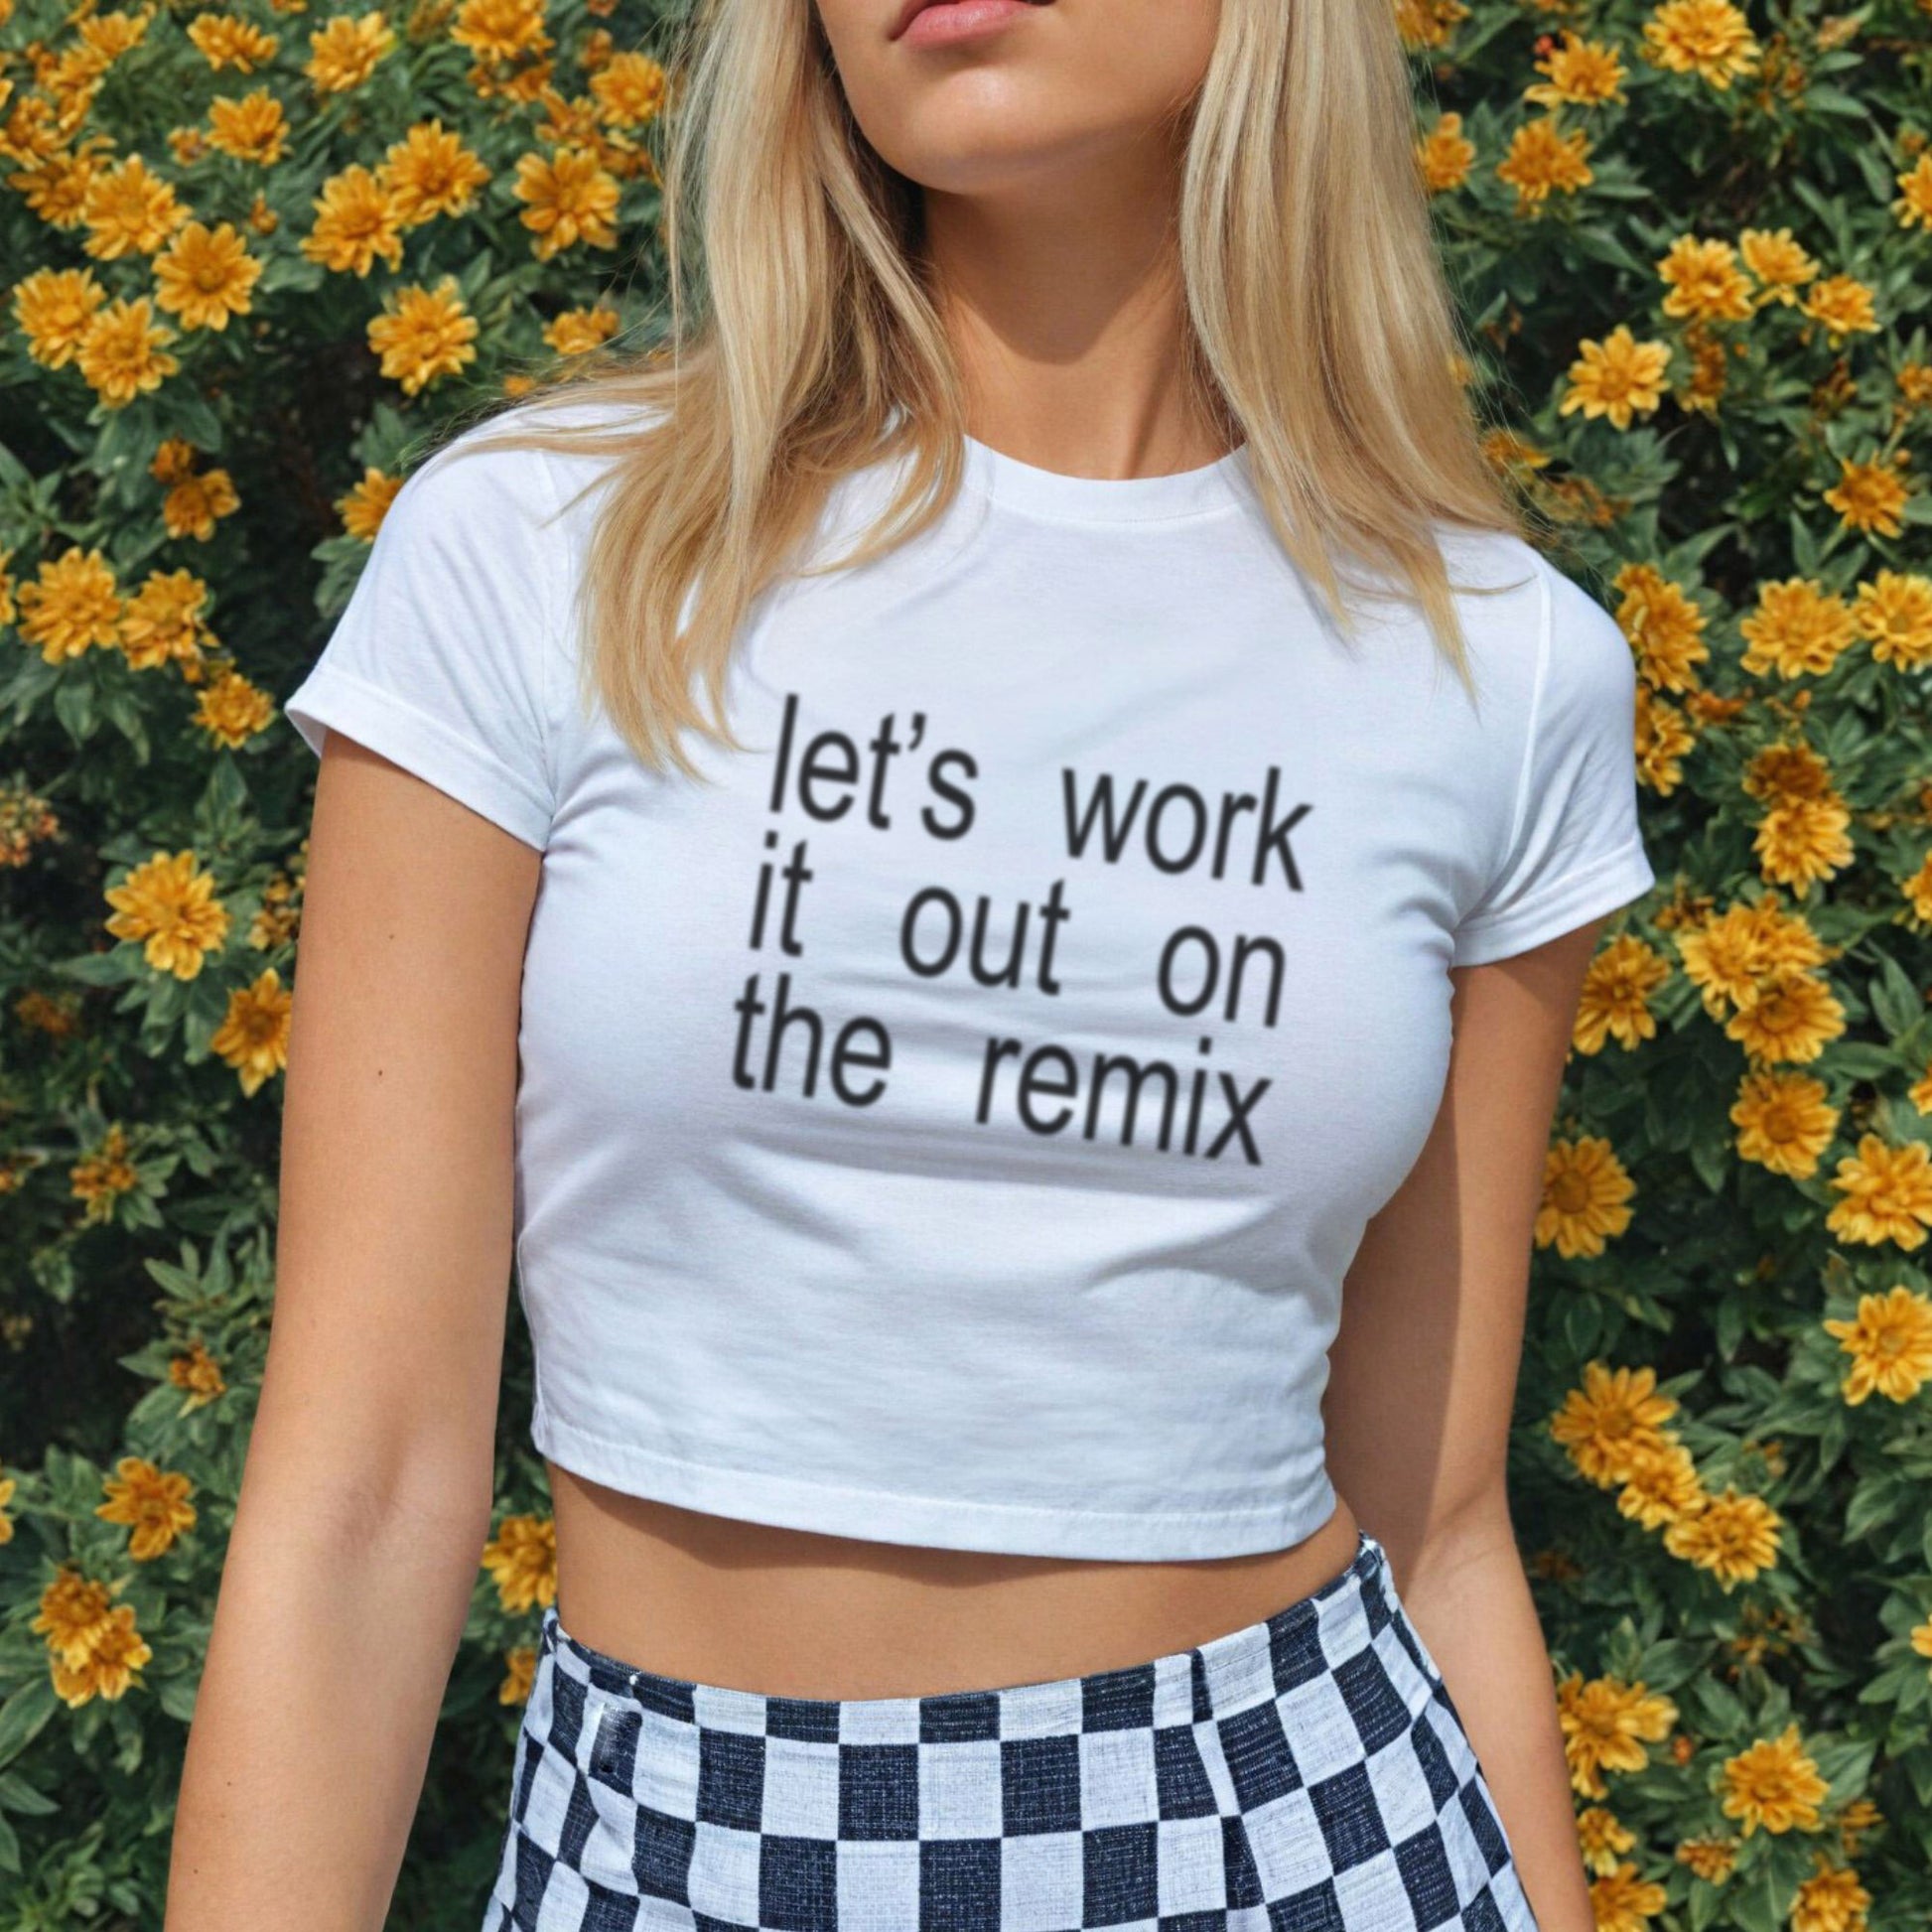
(794, 1613)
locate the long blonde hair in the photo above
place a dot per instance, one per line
(804, 344)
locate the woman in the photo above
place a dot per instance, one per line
(1019, 1110)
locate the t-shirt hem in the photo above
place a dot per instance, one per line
(936, 1522)
(332, 698)
(1600, 887)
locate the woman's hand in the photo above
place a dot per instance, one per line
(1422, 1381)
(367, 1493)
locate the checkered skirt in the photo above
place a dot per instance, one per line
(1307, 1774)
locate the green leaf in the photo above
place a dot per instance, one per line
(23, 1715)
(1834, 100)
(117, 966)
(1756, 1904)
(1898, 1003)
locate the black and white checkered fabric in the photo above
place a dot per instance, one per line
(1308, 1773)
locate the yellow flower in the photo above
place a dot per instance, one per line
(152, 1503)
(129, 210)
(251, 126)
(171, 906)
(571, 198)
(1615, 999)
(1705, 281)
(1664, 625)
(108, 35)
(430, 172)
(162, 621)
(1917, 889)
(1623, 1902)
(1888, 1193)
(111, 1661)
(1786, 771)
(343, 51)
(93, 1649)
(54, 187)
(1606, 1724)
(1708, 38)
(522, 1661)
(1801, 841)
(1444, 155)
(1778, 261)
(1601, 1838)
(1788, 1016)
(74, 1612)
(1543, 160)
(1914, 204)
(1428, 23)
(1867, 496)
(628, 89)
(1618, 377)
(7, 1487)
(1725, 956)
(173, 459)
(253, 1036)
(1581, 73)
(206, 276)
(357, 221)
(232, 710)
(364, 506)
(225, 41)
(192, 504)
(121, 356)
(1893, 613)
(1784, 1122)
(100, 1177)
(1831, 1901)
(1614, 1423)
(197, 1371)
(1889, 1342)
(1662, 739)
(1843, 305)
(1734, 1536)
(423, 334)
(500, 30)
(1857, 1818)
(72, 605)
(1662, 1486)
(522, 1560)
(54, 307)
(1584, 1191)
(1774, 1784)
(1710, 1859)
(578, 330)
(1798, 627)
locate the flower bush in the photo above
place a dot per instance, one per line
(254, 255)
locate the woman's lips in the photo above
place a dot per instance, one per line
(944, 23)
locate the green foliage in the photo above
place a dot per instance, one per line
(1737, 516)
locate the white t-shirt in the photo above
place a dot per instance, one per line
(951, 1121)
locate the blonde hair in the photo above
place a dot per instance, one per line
(1320, 329)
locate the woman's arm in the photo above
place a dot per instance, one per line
(1423, 1380)
(366, 1493)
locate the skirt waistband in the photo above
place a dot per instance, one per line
(1221, 1674)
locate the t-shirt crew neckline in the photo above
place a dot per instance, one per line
(1199, 492)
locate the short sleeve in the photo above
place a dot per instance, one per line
(439, 660)
(1575, 851)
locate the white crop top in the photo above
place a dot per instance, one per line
(953, 1123)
